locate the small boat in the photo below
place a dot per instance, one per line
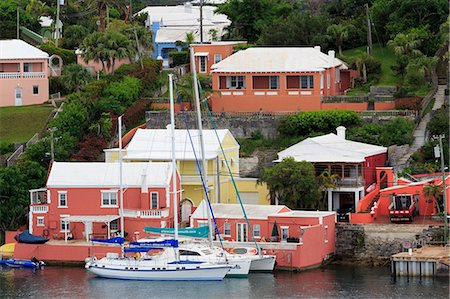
(26, 237)
(264, 263)
(18, 263)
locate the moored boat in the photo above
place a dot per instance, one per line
(19, 263)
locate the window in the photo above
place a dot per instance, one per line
(18, 93)
(114, 225)
(338, 75)
(307, 82)
(325, 233)
(27, 67)
(284, 233)
(62, 199)
(201, 223)
(154, 200)
(40, 221)
(202, 63)
(274, 82)
(109, 198)
(328, 80)
(256, 231)
(217, 58)
(188, 252)
(321, 80)
(64, 226)
(35, 89)
(293, 82)
(236, 82)
(227, 229)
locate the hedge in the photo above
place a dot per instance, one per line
(179, 58)
(68, 56)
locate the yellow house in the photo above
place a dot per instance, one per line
(155, 145)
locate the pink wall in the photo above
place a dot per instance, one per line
(39, 77)
(223, 49)
(94, 67)
(370, 165)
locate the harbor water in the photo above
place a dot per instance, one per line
(332, 282)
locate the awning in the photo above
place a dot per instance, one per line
(98, 218)
(201, 54)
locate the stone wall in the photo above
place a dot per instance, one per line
(375, 243)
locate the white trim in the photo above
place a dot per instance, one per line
(59, 200)
(151, 200)
(40, 218)
(60, 223)
(259, 230)
(281, 231)
(227, 235)
(112, 191)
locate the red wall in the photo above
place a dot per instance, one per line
(370, 165)
(224, 49)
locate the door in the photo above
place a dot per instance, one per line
(88, 230)
(186, 211)
(241, 232)
(18, 96)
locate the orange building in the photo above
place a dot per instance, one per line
(23, 74)
(210, 53)
(277, 79)
(82, 200)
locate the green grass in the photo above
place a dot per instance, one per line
(19, 124)
(385, 55)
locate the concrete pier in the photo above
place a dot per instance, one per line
(425, 261)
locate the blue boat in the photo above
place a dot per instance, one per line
(26, 237)
(18, 263)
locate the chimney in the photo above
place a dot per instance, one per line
(331, 53)
(317, 48)
(341, 132)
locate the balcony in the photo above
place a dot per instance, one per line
(351, 182)
(41, 209)
(14, 75)
(146, 214)
(34, 75)
(38, 196)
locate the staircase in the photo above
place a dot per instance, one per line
(374, 200)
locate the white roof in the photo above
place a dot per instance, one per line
(18, 49)
(156, 144)
(234, 211)
(100, 174)
(173, 34)
(277, 60)
(91, 218)
(306, 214)
(45, 21)
(220, 42)
(330, 148)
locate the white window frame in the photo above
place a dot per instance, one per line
(321, 81)
(325, 232)
(201, 223)
(309, 82)
(287, 236)
(233, 82)
(59, 199)
(277, 82)
(202, 64)
(227, 229)
(337, 76)
(30, 67)
(109, 205)
(151, 201)
(328, 80)
(257, 230)
(32, 91)
(217, 58)
(40, 221)
(116, 224)
(66, 226)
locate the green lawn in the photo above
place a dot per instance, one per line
(387, 58)
(19, 124)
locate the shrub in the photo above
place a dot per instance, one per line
(135, 115)
(305, 123)
(68, 56)
(56, 84)
(398, 131)
(179, 58)
(125, 92)
(90, 148)
(368, 133)
(72, 120)
(6, 148)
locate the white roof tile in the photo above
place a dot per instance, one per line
(330, 148)
(277, 60)
(18, 49)
(100, 174)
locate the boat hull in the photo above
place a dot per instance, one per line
(241, 267)
(167, 272)
(263, 264)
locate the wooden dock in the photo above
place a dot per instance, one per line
(425, 261)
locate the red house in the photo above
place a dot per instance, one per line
(82, 200)
(207, 54)
(307, 237)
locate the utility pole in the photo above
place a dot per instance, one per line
(201, 21)
(52, 147)
(18, 31)
(57, 23)
(369, 31)
(444, 188)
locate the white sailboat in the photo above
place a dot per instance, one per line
(157, 268)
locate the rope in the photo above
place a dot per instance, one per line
(213, 123)
(199, 169)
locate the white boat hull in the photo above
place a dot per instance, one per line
(240, 267)
(148, 270)
(265, 263)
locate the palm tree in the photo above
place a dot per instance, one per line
(76, 77)
(434, 191)
(326, 181)
(93, 49)
(340, 33)
(361, 64)
(405, 44)
(102, 6)
(189, 38)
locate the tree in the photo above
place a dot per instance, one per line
(326, 181)
(8, 17)
(405, 44)
(292, 183)
(74, 35)
(103, 5)
(434, 191)
(340, 33)
(76, 77)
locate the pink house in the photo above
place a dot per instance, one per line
(82, 200)
(278, 80)
(23, 74)
(308, 237)
(207, 54)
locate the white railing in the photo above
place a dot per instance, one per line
(34, 75)
(130, 213)
(145, 213)
(15, 75)
(39, 209)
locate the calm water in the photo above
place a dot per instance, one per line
(333, 282)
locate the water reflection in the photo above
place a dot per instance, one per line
(333, 282)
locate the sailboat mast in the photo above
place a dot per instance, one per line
(174, 164)
(202, 143)
(122, 224)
